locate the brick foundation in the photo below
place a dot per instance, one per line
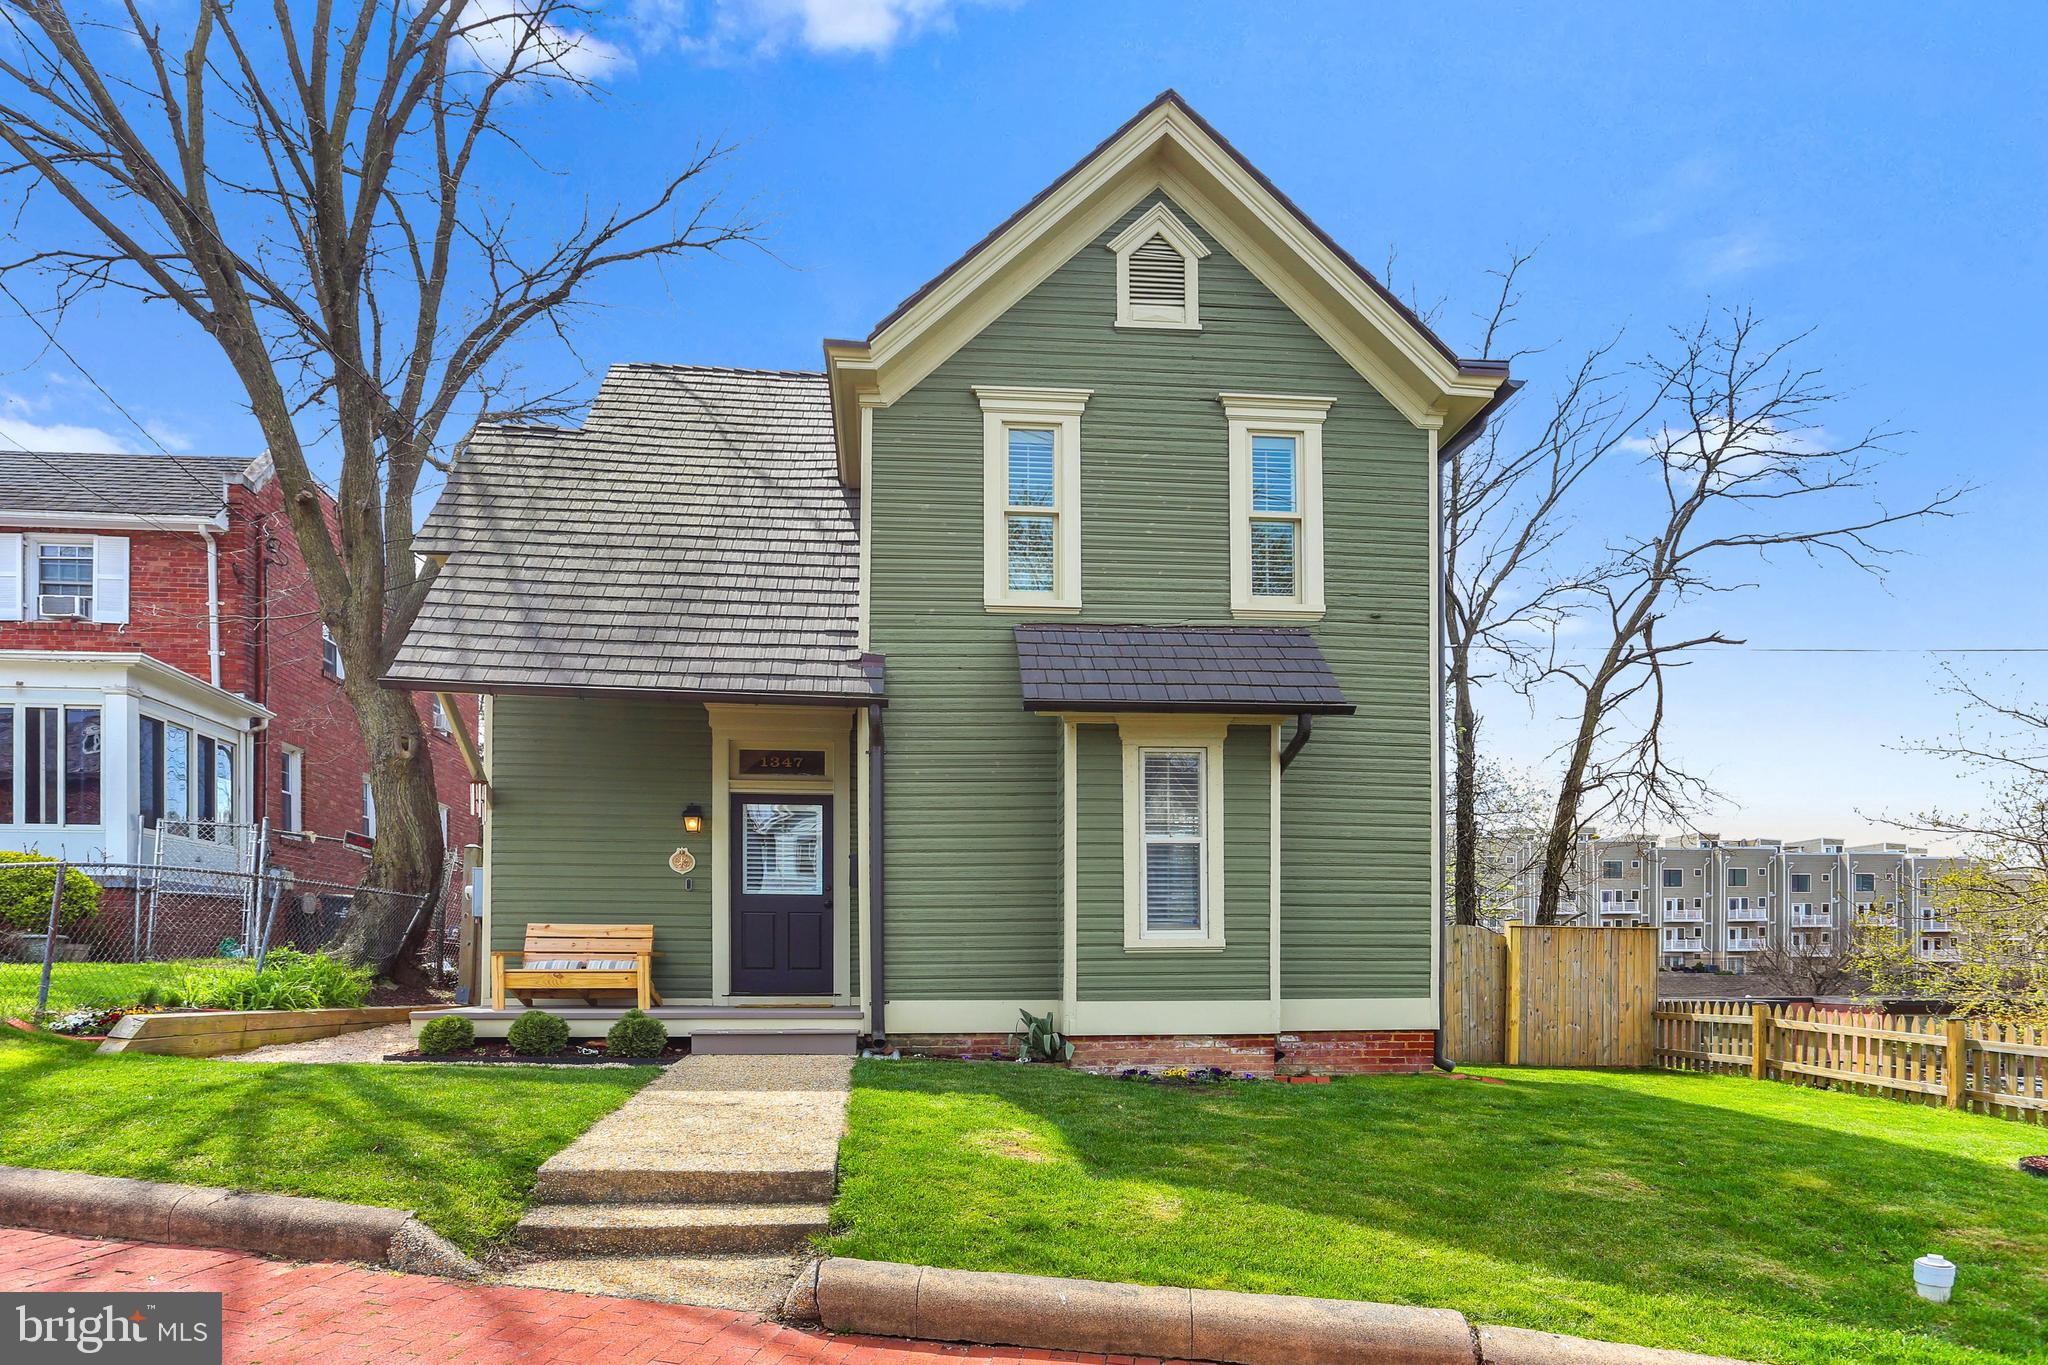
(1356, 1054)
(1381, 1052)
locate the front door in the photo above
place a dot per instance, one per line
(782, 895)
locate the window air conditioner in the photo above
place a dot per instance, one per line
(51, 606)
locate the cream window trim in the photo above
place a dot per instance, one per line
(1159, 221)
(1300, 418)
(1204, 734)
(1003, 410)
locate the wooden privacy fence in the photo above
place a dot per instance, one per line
(1551, 995)
(1977, 1064)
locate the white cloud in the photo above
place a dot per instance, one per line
(1736, 454)
(26, 421)
(1730, 254)
(499, 32)
(729, 29)
(20, 428)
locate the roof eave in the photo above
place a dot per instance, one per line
(420, 682)
(1132, 706)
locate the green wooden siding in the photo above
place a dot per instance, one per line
(586, 802)
(1107, 971)
(973, 840)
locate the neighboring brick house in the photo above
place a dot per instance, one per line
(160, 634)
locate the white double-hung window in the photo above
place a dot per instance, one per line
(1173, 786)
(1173, 833)
(1276, 503)
(1031, 494)
(63, 577)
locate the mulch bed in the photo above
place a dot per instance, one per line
(497, 1051)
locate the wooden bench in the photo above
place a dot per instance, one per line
(615, 961)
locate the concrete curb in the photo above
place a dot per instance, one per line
(880, 1298)
(272, 1224)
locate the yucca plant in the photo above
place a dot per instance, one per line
(1042, 1042)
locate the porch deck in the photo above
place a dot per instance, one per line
(831, 1030)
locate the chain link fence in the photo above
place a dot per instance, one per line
(108, 936)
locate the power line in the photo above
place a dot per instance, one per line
(90, 378)
(1893, 649)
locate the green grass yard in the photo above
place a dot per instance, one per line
(459, 1145)
(1706, 1213)
(77, 985)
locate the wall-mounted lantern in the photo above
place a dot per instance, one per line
(693, 819)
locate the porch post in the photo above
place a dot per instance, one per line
(876, 982)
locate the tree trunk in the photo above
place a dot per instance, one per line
(1464, 795)
(1559, 848)
(384, 931)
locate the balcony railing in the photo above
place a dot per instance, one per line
(1755, 914)
(1936, 926)
(1812, 919)
(1822, 948)
(1684, 945)
(1941, 954)
(1745, 943)
(1686, 915)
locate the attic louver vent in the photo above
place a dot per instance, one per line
(1159, 280)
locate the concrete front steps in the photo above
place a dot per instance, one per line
(705, 1188)
(670, 1229)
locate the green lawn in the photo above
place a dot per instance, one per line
(75, 985)
(1707, 1213)
(457, 1144)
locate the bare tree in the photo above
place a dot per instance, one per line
(1995, 900)
(1505, 503)
(1807, 968)
(1743, 468)
(311, 186)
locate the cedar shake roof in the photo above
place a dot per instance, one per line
(692, 539)
(1248, 669)
(82, 484)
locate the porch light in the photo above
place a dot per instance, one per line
(693, 819)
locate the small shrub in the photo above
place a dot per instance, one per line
(636, 1035)
(149, 997)
(537, 1033)
(25, 894)
(290, 980)
(449, 1033)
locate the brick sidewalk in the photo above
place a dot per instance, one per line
(278, 1311)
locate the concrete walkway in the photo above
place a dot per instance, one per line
(285, 1311)
(704, 1188)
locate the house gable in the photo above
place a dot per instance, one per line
(975, 859)
(1166, 149)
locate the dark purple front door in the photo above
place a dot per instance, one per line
(781, 895)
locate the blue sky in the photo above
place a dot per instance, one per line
(1874, 173)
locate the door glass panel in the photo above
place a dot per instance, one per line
(782, 849)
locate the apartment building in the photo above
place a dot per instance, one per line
(1720, 902)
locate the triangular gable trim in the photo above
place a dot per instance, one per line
(1168, 148)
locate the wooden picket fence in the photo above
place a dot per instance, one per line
(1551, 995)
(1979, 1065)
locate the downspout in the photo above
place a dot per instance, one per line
(876, 919)
(212, 605)
(1304, 727)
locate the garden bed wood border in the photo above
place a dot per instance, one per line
(209, 1033)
